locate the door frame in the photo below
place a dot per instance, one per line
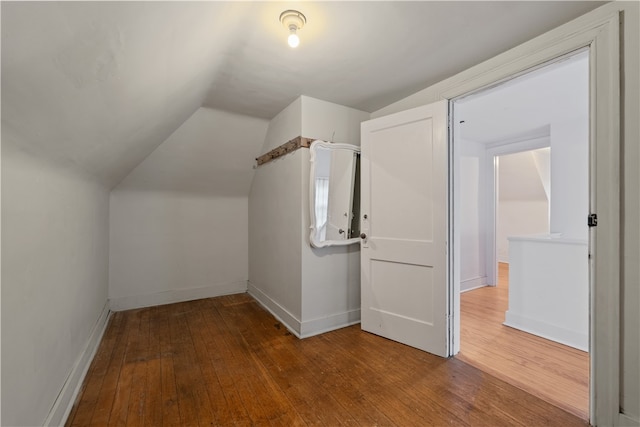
(599, 32)
(491, 223)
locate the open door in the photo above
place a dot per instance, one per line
(404, 227)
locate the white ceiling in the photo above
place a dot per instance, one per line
(526, 106)
(102, 84)
(366, 55)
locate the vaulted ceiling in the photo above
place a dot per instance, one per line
(100, 85)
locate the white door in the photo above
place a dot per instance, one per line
(404, 227)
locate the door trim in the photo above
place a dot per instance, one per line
(599, 32)
(491, 223)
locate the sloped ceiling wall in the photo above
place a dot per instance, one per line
(520, 178)
(102, 84)
(212, 153)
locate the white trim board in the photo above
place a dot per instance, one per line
(491, 166)
(329, 323)
(307, 328)
(177, 295)
(68, 394)
(627, 421)
(473, 283)
(279, 312)
(599, 30)
(547, 330)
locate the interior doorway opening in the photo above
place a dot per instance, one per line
(523, 278)
(523, 197)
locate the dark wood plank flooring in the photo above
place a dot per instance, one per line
(226, 361)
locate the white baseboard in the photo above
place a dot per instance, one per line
(546, 330)
(627, 421)
(66, 398)
(278, 311)
(471, 284)
(176, 295)
(321, 325)
(306, 328)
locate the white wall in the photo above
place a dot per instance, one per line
(473, 210)
(331, 122)
(330, 276)
(107, 82)
(283, 127)
(548, 295)
(311, 290)
(55, 237)
(168, 247)
(523, 207)
(275, 222)
(179, 220)
(570, 178)
(519, 218)
(630, 197)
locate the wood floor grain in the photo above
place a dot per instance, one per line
(554, 372)
(226, 361)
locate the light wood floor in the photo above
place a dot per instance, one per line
(226, 361)
(554, 372)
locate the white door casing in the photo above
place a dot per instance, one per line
(404, 212)
(600, 31)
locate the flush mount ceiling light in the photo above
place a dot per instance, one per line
(293, 21)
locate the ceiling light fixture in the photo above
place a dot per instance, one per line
(293, 21)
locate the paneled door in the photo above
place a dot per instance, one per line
(404, 227)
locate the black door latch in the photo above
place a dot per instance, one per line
(592, 220)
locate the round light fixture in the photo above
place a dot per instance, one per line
(293, 21)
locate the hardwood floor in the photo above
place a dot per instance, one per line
(554, 372)
(226, 361)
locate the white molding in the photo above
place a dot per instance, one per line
(547, 330)
(599, 31)
(66, 398)
(473, 283)
(605, 238)
(491, 216)
(312, 327)
(454, 252)
(492, 152)
(279, 312)
(307, 328)
(517, 145)
(176, 295)
(627, 421)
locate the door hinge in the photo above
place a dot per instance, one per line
(592, 220)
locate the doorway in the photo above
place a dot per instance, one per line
(524, 299)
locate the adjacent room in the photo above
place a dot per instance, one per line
(524, 197)
(173, 249)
